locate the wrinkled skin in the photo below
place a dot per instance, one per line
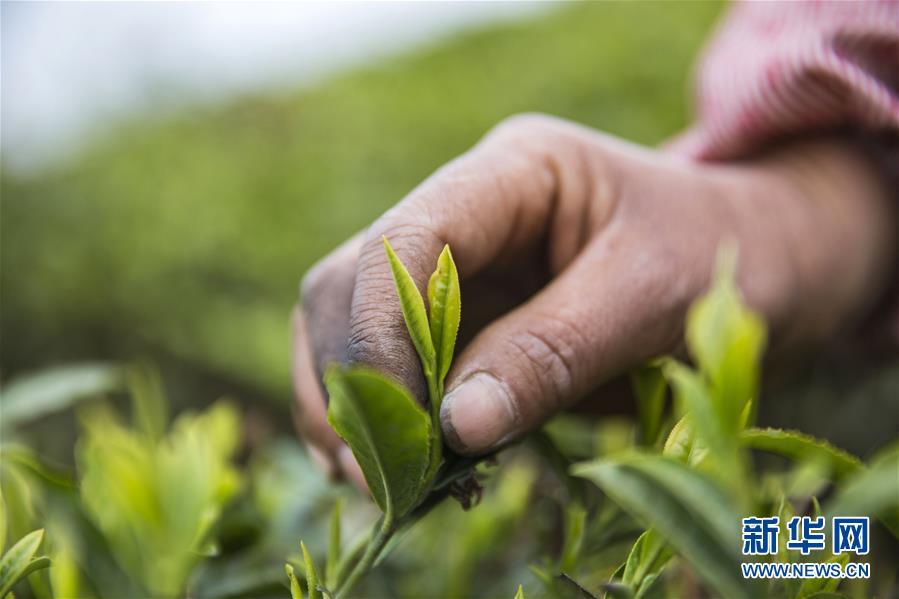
(579, 254)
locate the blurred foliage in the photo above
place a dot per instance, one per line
(184, 237)
(187, 236)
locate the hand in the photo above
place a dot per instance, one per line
(579, 255)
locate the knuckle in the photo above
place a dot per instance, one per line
(550, 357)
(524, 124)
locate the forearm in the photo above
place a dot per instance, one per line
(837, 219)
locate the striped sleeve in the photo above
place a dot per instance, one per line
(781, 68)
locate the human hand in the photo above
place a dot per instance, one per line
(579, 255)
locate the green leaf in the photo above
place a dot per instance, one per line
(685, 507)
(647, 557)
(295, 591)
(3, 522)
(649, 387)
(17, 562)
(311, 574)
(801, 447)
(575, 520)
(65, 579)
(445, 305)
(680, 441)
(812, 586)
(413, 306)
(333, 546)
(32, 396)
(149, 405)
(872, 491)
(388, 432)
(726, 339)
(519, 594)
(702, 426)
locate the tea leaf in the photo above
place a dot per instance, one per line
(65, 579)
(685, 507)
(799, 446)
(649, 387)
(50, 390)
(646, 558)
(333, 546)
(873, 490)
(651, 586)
(388, 432)
(445, 305)
(311, 574)
(149, 406)
(414, 314)
(701, 424)
(296, 592)
(17, 563)
(726, 339)
(575, 521)
(814, 586)
(3, 522)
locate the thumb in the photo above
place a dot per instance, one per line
(608, 311)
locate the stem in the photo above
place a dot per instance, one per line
(350, 558)
(375, 546)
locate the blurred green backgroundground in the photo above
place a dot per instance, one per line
(185, 236)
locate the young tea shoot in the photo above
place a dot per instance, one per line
(396, 442)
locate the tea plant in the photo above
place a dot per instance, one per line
(17, 563)
(396, 442)
(691, 488)
(685, 482)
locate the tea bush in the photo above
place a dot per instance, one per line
(654, 510)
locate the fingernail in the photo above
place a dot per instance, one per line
(478, 413)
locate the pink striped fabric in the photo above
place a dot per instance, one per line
(775, 69)
(779, 68)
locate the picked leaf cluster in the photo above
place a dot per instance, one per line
(396, 442)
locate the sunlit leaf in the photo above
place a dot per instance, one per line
(35, 395)
(445, 305)
(150, 407)
(414, 313)
(334, 547)
(801, 447)
(872, 491)
(2, 521)
(726, 339)
(649, 387)
(65, 579)
(18, 562)
(813, 587)
(701, 423)
(388, 432)
(519, 594)
(646, 558)
(156, 504)
(685, 507)
(311, 574)
(575, 521)
(295, 591)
